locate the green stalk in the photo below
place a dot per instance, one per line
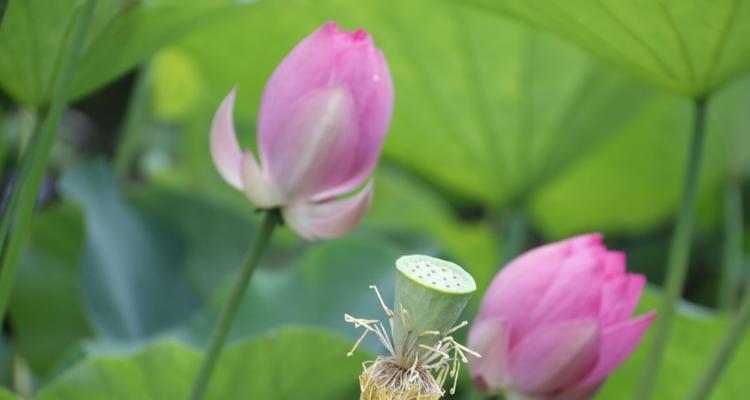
(678, 255)
(28, 128)
(729, 289)
(31, 129)
(224, 323)
(26, 187)
(29, 121)
(2, 149)
(724, 353)
(513, 231)
(138, 105)
(21, 375)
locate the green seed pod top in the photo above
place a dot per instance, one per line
(436, 274)
(430, 295)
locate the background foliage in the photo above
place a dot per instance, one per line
(552, 118)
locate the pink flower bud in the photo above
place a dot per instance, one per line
(322, 121)
(555, 322)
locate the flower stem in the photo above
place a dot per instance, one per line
(678, 255)
(732, 338)
(9, 198)
(729, 289)
(513, 230)
(221, 329)
(26, 187)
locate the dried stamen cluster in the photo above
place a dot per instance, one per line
(384, 379)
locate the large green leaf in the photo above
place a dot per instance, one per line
(5, 394)
(695, 335)
(625, 180)
(291, 364)
(417, 217)
(631, 182)
(134, 282)
(45, 309)
(310, 289)
(214, 236)
(211, 237)
(689, 47)
(329, 280)
(484, 106)
(34, 32)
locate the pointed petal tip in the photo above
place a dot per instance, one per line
(616, 262)
(648, 318)
(330, 27)
(225, 149)
(358, 35)
(591, 240)
(618, 343)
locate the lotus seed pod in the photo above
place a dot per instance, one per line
(430, 295)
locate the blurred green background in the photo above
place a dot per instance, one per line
(516, 123)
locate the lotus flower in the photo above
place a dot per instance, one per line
(556, 321)
(321, 125)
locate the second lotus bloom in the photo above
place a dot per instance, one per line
(321, 125)
(556, 321)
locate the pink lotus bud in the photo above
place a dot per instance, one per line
(555, 322)
(322, 121)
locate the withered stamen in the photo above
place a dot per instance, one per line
(406, 374)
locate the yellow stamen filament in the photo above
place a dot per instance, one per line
(370, 325)
(388, 311)
(455, 328)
